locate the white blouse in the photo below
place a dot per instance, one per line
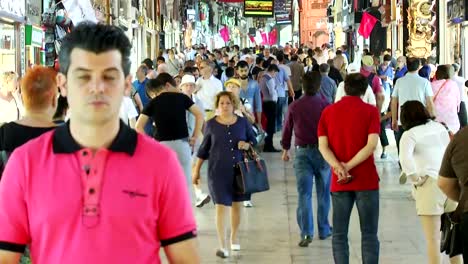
(422, 149)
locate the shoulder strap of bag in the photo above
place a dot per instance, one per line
(440, 89)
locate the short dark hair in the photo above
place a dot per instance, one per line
(324, 68)
(412, 114)
(338, 52)
(166, 78)
(149, 63)
(311, 83)
(161, 58)
(96, 38)
(188, 69)
(387, 57)
(258, 60)
(356, 84)
(242, 64)
(280, 56)
(443, 72)
(154, 85)
(230, 72)
(413, 64)
(294, 57)
(273, 67)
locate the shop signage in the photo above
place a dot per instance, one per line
(283, 17)
(34, 36)
(33, 11)
(456, 11)
(13, 8)
(23, 50)
(256, 8)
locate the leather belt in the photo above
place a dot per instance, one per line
(307, 146)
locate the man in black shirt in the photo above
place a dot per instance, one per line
(167, 109)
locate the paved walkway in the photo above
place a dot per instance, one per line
(269, 233)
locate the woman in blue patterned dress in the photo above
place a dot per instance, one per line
(225, 136)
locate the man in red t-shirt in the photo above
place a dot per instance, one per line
(348, 146)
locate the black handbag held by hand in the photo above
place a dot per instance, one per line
(451, 241)
(251, 174)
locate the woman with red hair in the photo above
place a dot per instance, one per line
(39, 92)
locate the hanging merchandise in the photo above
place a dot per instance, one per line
(252, 39)
(367, 24)
(224, 32)
(273, 37)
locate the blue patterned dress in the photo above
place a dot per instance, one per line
(219, 147)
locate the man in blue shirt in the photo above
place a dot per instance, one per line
(328, 85)
(140, 87)
(250, 91)
(270, 96)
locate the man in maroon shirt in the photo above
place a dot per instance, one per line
(348, 135)
(303, 117)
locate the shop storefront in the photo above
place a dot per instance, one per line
(12, 19)
(34, 37)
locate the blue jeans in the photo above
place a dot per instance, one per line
(309, 164)
(367, 203)
(281, 108)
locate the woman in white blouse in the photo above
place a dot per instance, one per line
(422, 148)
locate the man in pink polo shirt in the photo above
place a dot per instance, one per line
(86, 192)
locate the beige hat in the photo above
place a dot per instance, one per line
(187, 79)
(233, 81)
(367, 61)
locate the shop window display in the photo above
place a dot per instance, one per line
(7, 47)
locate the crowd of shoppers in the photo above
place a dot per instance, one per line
(211, 106)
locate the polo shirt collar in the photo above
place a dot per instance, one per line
(125, 141)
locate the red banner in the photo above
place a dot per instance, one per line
(224, 33)
(273, 36)
(367, 24)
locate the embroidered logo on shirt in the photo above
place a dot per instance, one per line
(134, 194)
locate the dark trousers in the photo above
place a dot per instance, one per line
(269, 108)
(297, 95)
(462, 115)
(383, 133)
(398, 135)
(464, 231)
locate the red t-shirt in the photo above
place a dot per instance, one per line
(347, 125)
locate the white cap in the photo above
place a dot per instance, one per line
(353, 68)
(244, 57)
(187, 78)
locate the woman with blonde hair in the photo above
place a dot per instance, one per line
(225, 137)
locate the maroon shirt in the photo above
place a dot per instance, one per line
(303, 116)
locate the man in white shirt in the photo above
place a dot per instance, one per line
(208, 87)
(368, 97)
(408, 88)
(9, 104)
(462, 115)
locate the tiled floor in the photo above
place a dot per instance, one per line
(269, 233)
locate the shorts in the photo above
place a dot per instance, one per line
(430, 200)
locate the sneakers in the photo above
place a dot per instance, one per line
(235, 247)
(202, 200)
(305, 241)
(222, 253)
(248, 204)
(403, 178)
(383, 156)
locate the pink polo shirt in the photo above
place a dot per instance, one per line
(119, 205)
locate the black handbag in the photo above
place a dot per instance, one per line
(452, 239)
(251, 176)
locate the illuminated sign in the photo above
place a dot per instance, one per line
(255, 8)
